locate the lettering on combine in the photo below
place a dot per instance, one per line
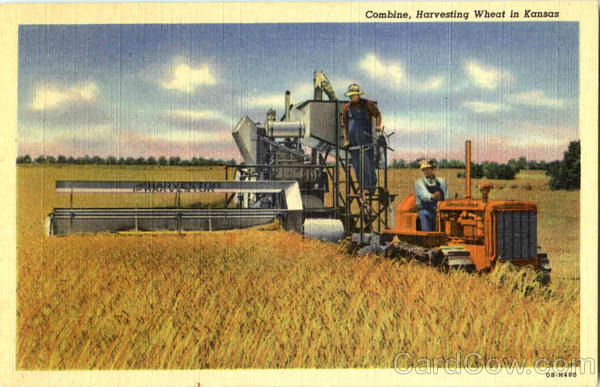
(175, 186)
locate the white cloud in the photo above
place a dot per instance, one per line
(49, 97)
(541, 140)
(266, 100)
(302, 90)
(299, 92)
(484, 76)
(537, 98)
(485, 107)
(187, 79)
(191, 136)
(382, 70)
(341, 84)
(531, 98)
(417, 123)
(393, 74)
(432, 83)
(195, 116)
(53, 133)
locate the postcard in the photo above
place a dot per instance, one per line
(300, 193)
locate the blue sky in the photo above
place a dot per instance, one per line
(142, 90)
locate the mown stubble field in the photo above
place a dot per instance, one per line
(265, 298)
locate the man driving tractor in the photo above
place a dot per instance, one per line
(429, 190)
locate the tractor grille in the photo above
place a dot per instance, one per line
(517, 234)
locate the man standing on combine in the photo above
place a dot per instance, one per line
(357, 122)
(429, 190)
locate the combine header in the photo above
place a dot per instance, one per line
(287, 207)
(296, 170)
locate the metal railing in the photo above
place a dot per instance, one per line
(360, 213)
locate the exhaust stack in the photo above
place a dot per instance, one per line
(468, 168)
(288, 99)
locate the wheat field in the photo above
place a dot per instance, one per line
(266, 298)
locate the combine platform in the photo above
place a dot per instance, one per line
(286, 206)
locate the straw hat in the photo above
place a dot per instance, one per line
(353, 89)
(427, 164)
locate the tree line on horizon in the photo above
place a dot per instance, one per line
(564, 174)
(518, 164)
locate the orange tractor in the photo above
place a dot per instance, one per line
(472, 234)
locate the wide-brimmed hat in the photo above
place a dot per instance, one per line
(427, 164)
(353, 89)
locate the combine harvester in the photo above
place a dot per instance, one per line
(296, 170)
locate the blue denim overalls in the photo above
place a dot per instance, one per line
(427, 210)
(360, 133)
